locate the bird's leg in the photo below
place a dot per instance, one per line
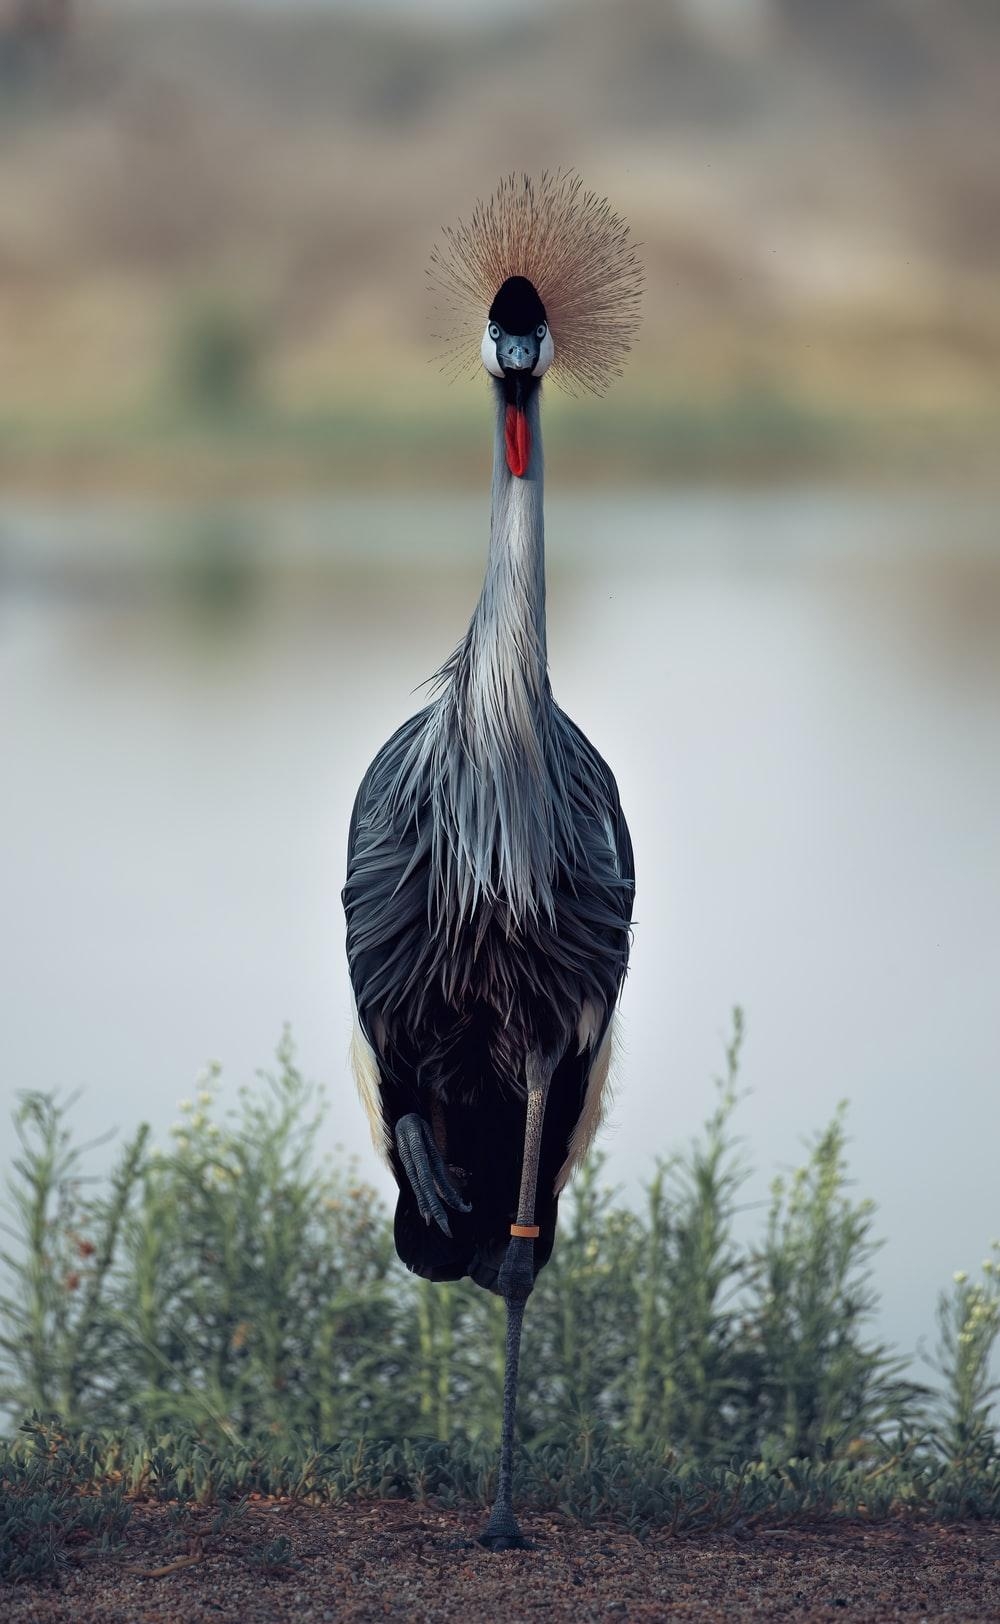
(424, 1165)
(517, 1278)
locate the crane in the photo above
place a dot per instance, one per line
(489, 872)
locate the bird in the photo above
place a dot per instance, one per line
(490, 874)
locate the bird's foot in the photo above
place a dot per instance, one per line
(427, 1172)
(503, 1532)
(503, 1542)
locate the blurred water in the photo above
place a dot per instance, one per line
(799, 692)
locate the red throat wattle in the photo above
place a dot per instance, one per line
(517, 441)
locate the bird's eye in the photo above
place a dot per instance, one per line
(541, 330)
(494, 331)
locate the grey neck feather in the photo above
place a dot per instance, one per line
(488, 745)
(507, 634)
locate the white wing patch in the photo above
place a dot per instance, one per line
(590, 1023)
(364, 1064)
(595, 1105)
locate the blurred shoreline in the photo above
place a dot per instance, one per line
(215, 223)
(751, 441)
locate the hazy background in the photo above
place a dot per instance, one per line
(242, 517)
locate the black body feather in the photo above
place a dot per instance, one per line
(452, 999)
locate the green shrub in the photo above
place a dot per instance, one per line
(818, 1384)
(228, 1314)
(969, 1327)
(63, 1345)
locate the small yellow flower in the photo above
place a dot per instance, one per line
(960, 1276)
(204, 1098)
(184, 1105)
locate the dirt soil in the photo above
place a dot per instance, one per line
(414, 1563)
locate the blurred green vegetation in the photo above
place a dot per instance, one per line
(215, 418)
(228, 1314)
(237, 441)
(213, 357)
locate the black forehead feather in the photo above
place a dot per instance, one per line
(517, 307)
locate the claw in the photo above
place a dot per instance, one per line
(425, 1168)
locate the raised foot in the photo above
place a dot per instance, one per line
(429, 1177)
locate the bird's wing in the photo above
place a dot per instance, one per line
(604, 789)
(599, 915)
(385, 900)
(385, 894)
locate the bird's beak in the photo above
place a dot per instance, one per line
(517, 354)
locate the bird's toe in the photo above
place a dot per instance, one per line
(426, 1171)
(443, 1175)
(504, 1542)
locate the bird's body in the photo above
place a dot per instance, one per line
(488, 900)
(490, 881)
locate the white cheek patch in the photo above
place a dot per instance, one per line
(546, 355)
(488, 351)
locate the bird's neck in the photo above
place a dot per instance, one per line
(505, 644)
(494, 818)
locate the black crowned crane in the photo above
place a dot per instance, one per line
(489, 870)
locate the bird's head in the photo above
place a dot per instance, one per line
(517, 342)
(558, 275)
(517, 349)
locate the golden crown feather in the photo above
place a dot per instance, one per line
(574, 249)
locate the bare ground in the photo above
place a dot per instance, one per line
(398, 1561)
